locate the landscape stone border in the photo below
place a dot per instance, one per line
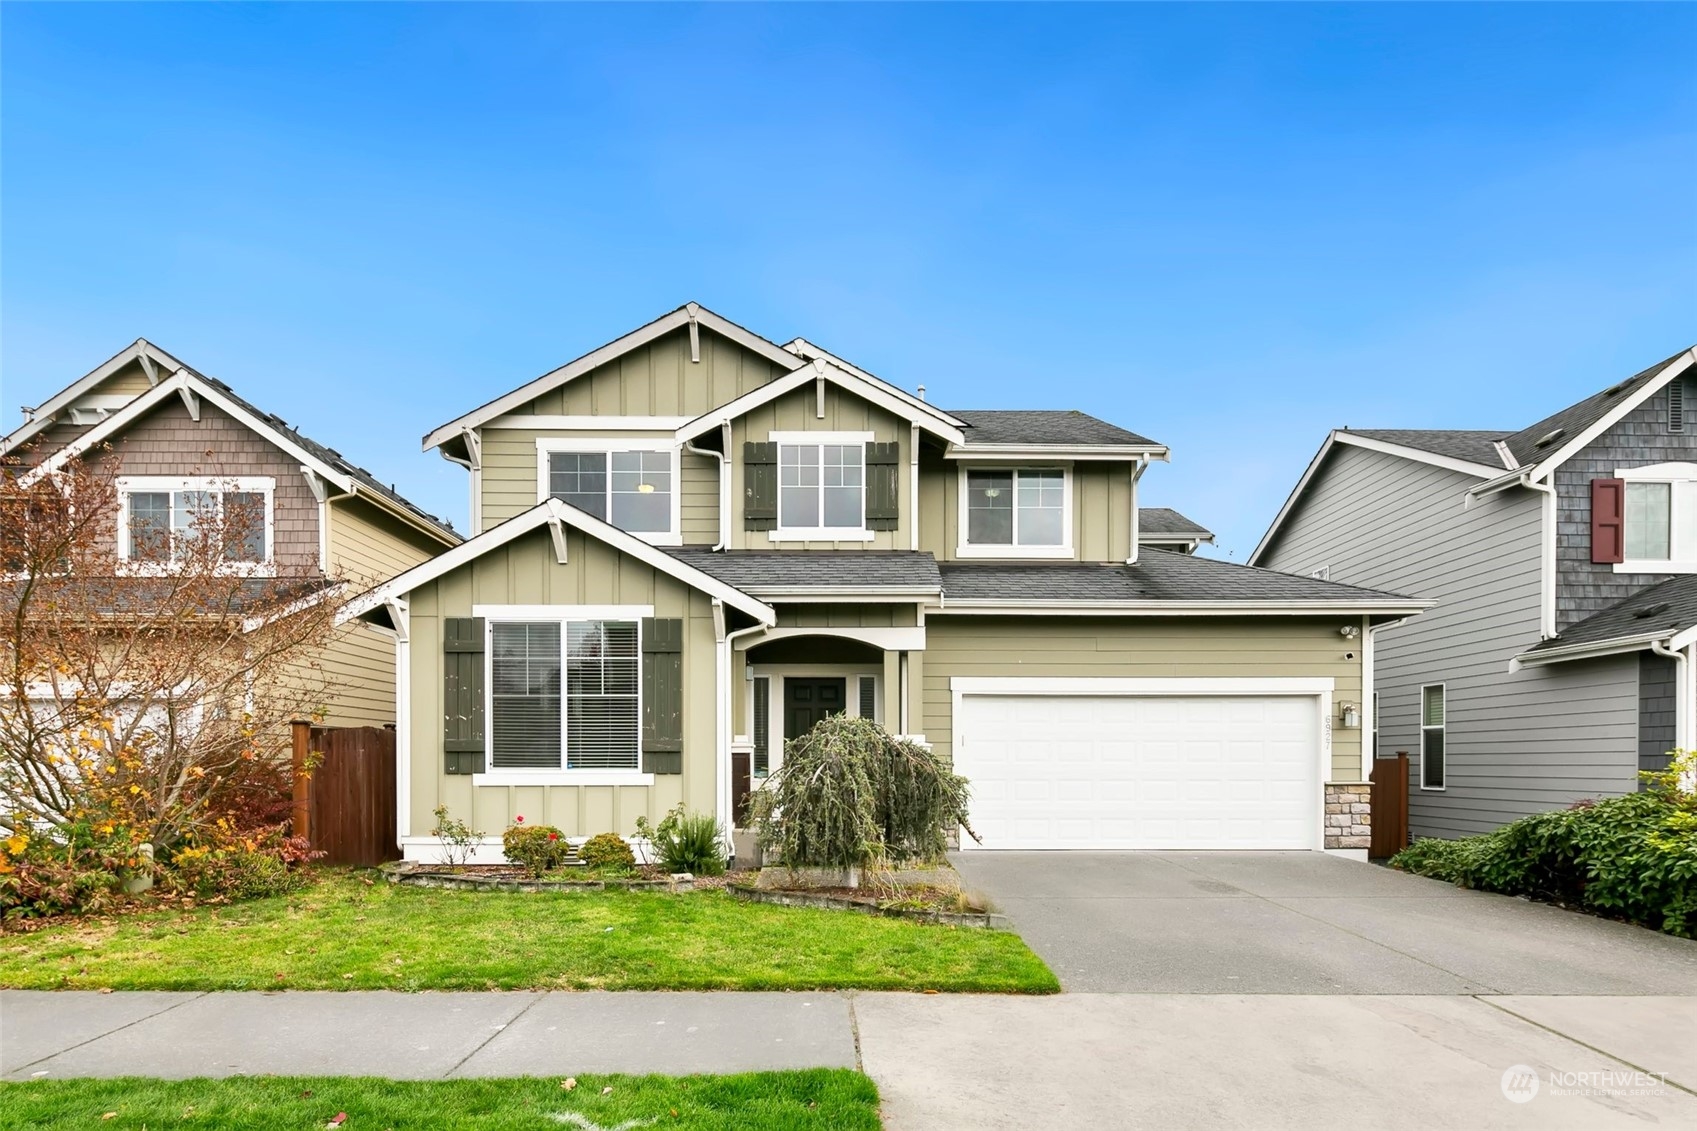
(979, 919)
(426, 877)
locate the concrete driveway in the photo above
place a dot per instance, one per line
(1306, 923)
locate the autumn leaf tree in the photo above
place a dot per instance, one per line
(153, 650)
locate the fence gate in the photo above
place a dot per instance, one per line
(345, 807)
(1390, 805)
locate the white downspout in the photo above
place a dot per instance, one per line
(723, 643)
(1547, 558)
(1136, 474)
(913, 487)
(1681, 691)
(724, 488)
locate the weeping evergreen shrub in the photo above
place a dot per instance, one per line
(848, 793)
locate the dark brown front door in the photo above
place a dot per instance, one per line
(807, 700)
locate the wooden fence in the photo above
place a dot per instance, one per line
(345, 804)
(1390, 805)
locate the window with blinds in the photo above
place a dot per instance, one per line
(601, 725)
(869, 697)
(762, 726)
(524, 663)
(603, 709)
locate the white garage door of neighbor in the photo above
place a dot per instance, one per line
(1141, 771)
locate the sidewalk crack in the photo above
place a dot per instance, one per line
(1484, 1000)
(484, 1043)
(854, 1031)
(109, 1032)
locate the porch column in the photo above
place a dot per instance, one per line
(892, 705)
(915, 685)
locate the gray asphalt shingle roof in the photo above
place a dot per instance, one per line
(1664, 608)
(1475, 446)
(1158, 575)
(1043, 426)
(756, 569)
(1165, 520)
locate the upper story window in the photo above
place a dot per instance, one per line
(1016, 512)
(821, 486)
(631, 486)
(1657, 519)
(161, 519)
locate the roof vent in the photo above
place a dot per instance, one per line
(1617, 390)
(1550, 437)
(1648, 611)
(1676, 407)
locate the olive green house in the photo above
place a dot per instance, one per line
(692, 543)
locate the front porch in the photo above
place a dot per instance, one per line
(784, 681)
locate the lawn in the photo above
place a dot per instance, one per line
(818, 1098)
(347, 932)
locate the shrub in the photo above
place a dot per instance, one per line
(1633, 857)
(686, 842)
(459, 840)
(849, 794)
(607, 850)
(537, 848)
(230, 863)
(66, 871)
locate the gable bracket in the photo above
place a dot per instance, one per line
(473, 449)
(694, 332)
(147, 365)
(557, 531)
(190, 401)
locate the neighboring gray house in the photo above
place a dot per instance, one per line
(1558, 661)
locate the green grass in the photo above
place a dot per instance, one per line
(349, 933)
(827, 1099)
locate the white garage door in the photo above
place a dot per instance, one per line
(1141, 771)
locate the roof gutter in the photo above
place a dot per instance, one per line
(1187, 608)
(1591, 649)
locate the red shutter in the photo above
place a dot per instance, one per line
(1608, 520)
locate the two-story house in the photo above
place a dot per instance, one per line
(692, 543)
(178, 444)
(1562, 558)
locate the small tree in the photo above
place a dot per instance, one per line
(848, 794)
(141, 697)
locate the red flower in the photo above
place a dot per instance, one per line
(553, 836)
(518, 820)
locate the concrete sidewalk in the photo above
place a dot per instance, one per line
(941, 1061)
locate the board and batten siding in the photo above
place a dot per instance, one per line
(798, 411)
(526, 572)
(1101, 506)
(1519, 742)
(1161, 647)
(1638, 439)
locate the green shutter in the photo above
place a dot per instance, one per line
(462, 694)
(883, 462)
(662, 695)
(759, 486)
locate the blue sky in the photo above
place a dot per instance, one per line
(1228, 228)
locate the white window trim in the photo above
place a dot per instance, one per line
(821, 533)
(1680, 477)
(776, 695)
(264, 485)
(965, 549)
(547, 445)
(1420, 717)
(563, 614)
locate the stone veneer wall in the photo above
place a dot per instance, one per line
(1349, 815)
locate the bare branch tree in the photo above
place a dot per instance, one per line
(145, 665)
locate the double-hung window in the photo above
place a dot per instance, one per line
(565, 695)
(1017, 512)
(1660, 528)
(634, 488)
(822, 488)
(162, 519)
(1432, 736)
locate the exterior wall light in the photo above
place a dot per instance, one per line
(1350, 714)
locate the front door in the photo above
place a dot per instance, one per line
(807, 700)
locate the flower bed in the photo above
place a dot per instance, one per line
(502, 877)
